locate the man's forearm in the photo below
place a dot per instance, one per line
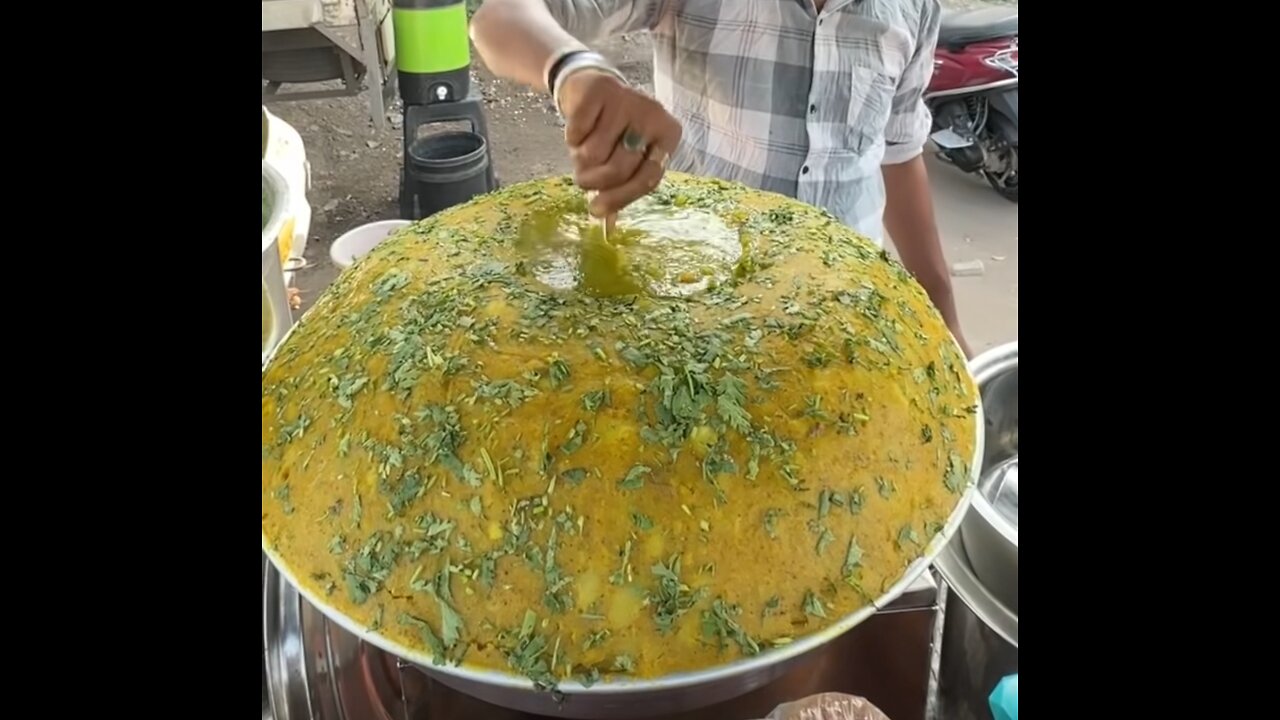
(518, 39)
(909, 218)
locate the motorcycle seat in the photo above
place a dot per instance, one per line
(965, 27)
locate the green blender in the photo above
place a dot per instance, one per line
(433, 62)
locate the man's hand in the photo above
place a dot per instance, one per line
(599, 110)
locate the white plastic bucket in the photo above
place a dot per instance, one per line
(357, 242)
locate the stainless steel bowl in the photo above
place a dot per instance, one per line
(990, 530)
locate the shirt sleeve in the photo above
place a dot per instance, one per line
(909, 119)
(591, 20)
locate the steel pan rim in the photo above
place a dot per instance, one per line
(960, 579)
(986, 367)
(717, 673)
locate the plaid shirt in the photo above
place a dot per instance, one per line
(777, 96)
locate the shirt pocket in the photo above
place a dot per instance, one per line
(873, 82)
(870, 103)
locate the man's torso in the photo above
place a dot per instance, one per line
(780, 97)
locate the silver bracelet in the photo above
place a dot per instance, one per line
(582, 61)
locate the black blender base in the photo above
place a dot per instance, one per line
(428, 186)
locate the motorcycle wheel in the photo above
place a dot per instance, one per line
(1005, 183)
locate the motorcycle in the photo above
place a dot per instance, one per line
(974, 95)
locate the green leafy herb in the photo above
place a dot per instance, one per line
(338, 544)
(429, 638)
(824, 503)
(855, 501)
(907, 535)
(595, 639)
(957, 474)
(401, 495)
(442, 443)
(577, 436)
(634, 357)
(731, 394)
(526, 657)
(813, 409)
(771, 522)
(623, 573)
(720, 623)
(595, 399)
(574, 476)
(495, 470)
(926, 434)
(813, 606)
(825, 538)
(365, 572)
(435, 534)
(885, 487)
(624, 663)
(488, 569)
(591, 677)
(557, 597)
(672, 598)
(450, 624)
(852, 558)
(504, 392)
(281, 493)
(642, 521)
(558, 371)
(635, 477)
(772, 606)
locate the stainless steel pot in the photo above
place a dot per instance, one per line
(990, 530)
(978, 642)
(321, 672)
(624, 699)
(276, 315)
(972, 658)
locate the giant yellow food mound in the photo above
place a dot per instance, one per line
(502, 441)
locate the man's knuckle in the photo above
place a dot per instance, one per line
(589, 155)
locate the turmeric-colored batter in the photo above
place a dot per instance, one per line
(505, 443)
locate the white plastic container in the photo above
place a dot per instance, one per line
(357, 242)
(276, 315)
(287, 155)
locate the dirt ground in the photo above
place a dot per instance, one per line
(355, 173)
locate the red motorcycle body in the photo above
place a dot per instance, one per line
(974, 66)
(973, 95)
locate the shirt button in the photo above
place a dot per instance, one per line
(813, 108)
(804, 170)
(819, 21)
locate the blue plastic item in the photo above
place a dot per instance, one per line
(1004, 699)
